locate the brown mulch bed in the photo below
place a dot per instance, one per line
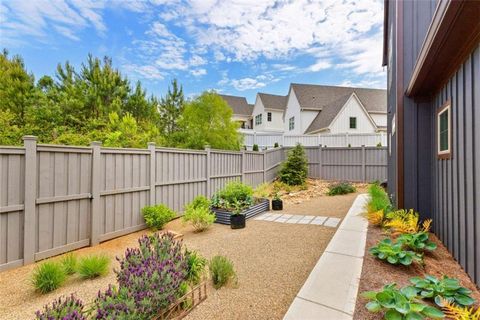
(376, 273)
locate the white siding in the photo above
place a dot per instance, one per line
(292, 110)
(307, 117)
(352, 108)
(380, 119)
(277, 118)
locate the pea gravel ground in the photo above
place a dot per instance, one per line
(272, 261)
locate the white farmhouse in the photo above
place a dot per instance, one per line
(268, 112)
(242, 111)
(317, 109)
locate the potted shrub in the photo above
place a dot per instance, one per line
(277, 203)
(235, 203)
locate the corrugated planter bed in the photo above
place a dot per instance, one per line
(223, 216)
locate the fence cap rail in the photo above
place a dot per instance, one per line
(183, 150)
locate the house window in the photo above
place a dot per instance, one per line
(258, 119)
(291, 123)
(269, 116)
(444, 132)
(353, 123)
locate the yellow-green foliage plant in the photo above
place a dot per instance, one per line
(403, 221)
(453, 311)
(262, 191)
(375, 217)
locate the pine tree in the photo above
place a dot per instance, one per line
(294, 170)
(171, 107)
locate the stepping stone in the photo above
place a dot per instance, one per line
(270, 218)
(332, 222)
(260, 218)
(318, 220)
(281, 219)
(287, 216)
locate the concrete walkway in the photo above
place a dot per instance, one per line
(299, 219)
(330, 291)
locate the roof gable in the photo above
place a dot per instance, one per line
(273, 101)
(239, 105)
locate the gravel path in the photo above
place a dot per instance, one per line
(272, 261)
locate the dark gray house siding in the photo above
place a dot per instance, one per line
(446, 190)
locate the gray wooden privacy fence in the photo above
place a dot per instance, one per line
(356, 164)
(55, 199)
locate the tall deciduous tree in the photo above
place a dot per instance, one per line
(207, 120)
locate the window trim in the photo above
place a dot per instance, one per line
(258, 119)
(291, 123)
(350, 123)
(269, 117)
(445, 154)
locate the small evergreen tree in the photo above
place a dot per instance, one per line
(294, 170)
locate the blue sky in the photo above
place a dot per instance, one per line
(236, 47)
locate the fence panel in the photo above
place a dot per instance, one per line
(63, 199)
(342, 164)
(12, 180)
(376, 164)
(181, 175)
(254, 172)
(225, 166)
(124, 191)
(273, 161)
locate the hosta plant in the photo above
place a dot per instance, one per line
(417, 241)
(394, 253)
(65, 308)
(399, 304)
(444, 289)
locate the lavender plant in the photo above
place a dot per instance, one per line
(115, 304)
(152, 274)
(65, 308)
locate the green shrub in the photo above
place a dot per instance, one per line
(69, 263)
(294, 170)
(417, 241)
(48, 276)
(183, 290)
(261, 191)
(378, 199)
(93, 266)
(195, 266)
(235, 195)
(275, 145)
(400, 304)
(448, 289)
(255, 147)
(222, 271)
(199, 202)
(394, 253)
(201, 218)
(157, 216)
(340, 188)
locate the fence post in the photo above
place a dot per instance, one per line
(207, 169)
(96, 182)
(153, 173)
(264, 166)
(364, 167)
(320, 161)
(243, 166)
(30, 145)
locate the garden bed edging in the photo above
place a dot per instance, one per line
(223, 216)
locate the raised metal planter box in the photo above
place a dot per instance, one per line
(223, 216)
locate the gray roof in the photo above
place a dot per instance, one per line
(329, 100)
(239, 105)
(273, 101)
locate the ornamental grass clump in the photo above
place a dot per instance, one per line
(93, 266)
(378, 199)
(48, 276)
(69, 263)
(64, 308)
(222, 271)
(152, 274)
(196, 265)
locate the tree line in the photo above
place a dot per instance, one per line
(98, 103)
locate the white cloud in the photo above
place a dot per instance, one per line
(198, 72)
(320, 65)
(247, 84)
